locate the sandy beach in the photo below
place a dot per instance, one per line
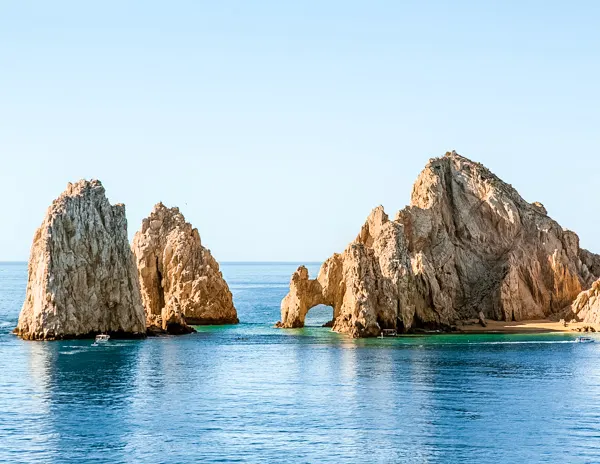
(535, 326)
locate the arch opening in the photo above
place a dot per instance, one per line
(319, 316)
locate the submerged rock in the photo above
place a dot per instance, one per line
(467, 243)
(180, 280)
(82, 276)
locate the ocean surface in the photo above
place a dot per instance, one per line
(252, 393)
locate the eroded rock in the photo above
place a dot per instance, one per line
(82, 277)
(481, 319)
(467, 243)
(586, 307)
(180, 281)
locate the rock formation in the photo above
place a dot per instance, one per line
(180, 280)
(82, 276)
(586, 307)
(467, 243)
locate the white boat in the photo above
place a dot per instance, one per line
(584, 340)
(388, 333)
(102, 338)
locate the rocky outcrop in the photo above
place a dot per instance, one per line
(481, 318)
(586, 307)
(467, 243)
(82, 276)
(180, 280)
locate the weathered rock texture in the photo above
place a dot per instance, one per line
(180, 280)
(82, 276)
(468, 243)
(586, 307)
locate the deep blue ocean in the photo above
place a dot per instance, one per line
(253, 393)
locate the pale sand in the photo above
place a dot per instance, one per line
(538, 326)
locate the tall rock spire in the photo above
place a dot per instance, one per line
(82, 276)
(180, 280)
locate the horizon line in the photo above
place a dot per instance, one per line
(220, 262)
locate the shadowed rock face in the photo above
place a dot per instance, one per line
(180, 280)
(467, 243)
(82, 276)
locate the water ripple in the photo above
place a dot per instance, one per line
(251, 393)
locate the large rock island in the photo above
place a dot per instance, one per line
(82, 276)
(468, 243)
(180, 280)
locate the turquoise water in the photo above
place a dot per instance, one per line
(251, 393)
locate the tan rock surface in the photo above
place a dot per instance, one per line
(82, 277)
(586, 307)
(467, 243)
(180, 280)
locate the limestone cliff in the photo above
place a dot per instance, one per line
(466, 243)
(82, 276)
(180, 280)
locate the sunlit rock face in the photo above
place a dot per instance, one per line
(180, 281)
(466, 243)
(82, 276)
(586, 307)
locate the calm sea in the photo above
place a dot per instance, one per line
(252, 393)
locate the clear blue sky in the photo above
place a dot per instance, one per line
(276, 126)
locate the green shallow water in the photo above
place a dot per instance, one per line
(252, 393)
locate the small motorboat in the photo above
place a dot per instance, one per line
(584, 340)
(388, 333)
(102, 338)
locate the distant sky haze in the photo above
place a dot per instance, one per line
(277, 126)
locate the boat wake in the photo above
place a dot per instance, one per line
(525, 342)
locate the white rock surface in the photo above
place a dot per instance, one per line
(82, 276)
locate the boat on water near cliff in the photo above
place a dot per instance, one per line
(388, 333)
(584, 340)
(102, 338)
